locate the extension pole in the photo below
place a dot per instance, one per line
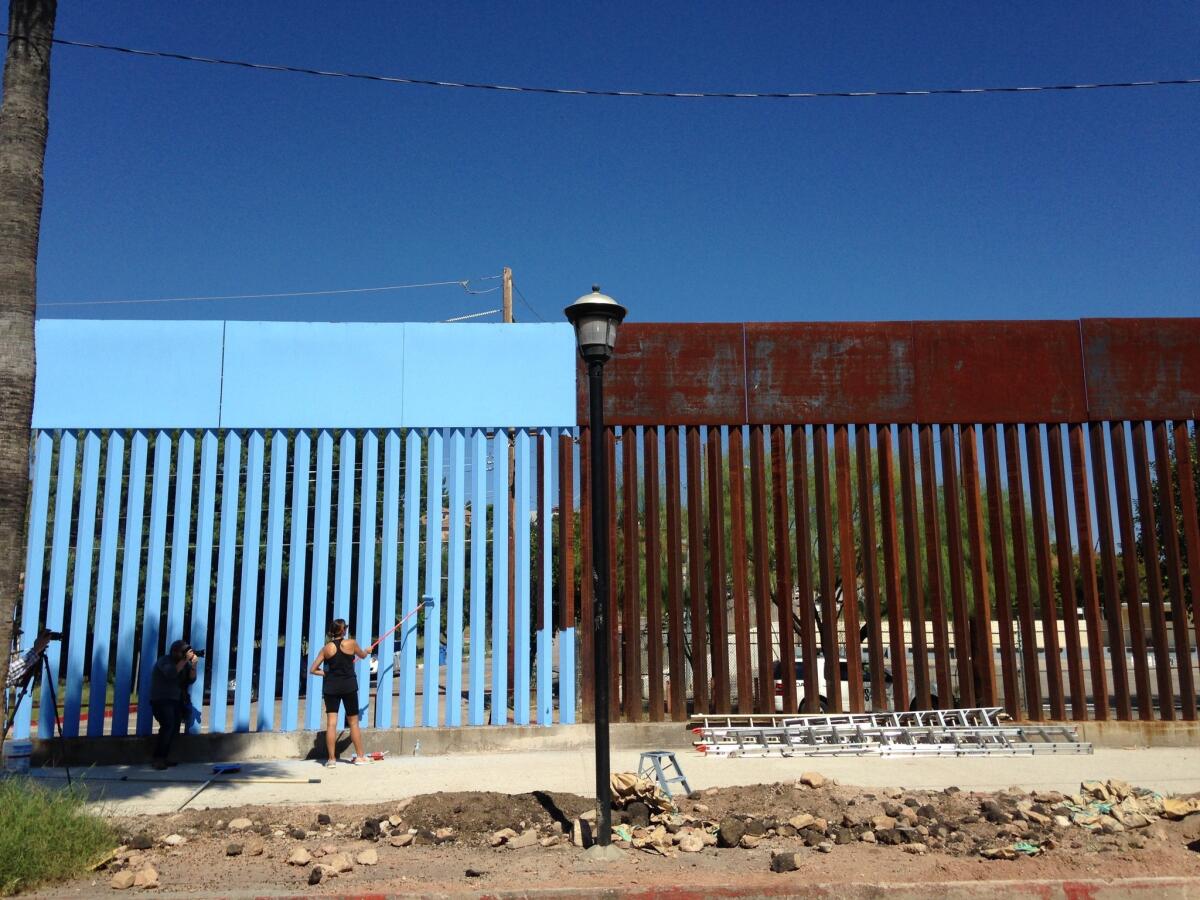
(512, 506)
(394, 627)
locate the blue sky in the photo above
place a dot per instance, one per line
(168, 179)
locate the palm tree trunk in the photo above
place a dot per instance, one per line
(23, 125)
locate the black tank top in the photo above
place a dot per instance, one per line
(339, 672)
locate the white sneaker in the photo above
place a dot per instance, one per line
(331, 763)
(361, 761)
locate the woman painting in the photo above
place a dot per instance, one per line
(335, 663)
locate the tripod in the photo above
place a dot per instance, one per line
(12, 716)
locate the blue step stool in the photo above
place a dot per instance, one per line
(659, 763)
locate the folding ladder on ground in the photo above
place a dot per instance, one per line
(660, 763)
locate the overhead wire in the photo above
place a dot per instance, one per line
(528, 305)
(594, 92)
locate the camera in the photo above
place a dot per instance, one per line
(199, 653)
(53, 635)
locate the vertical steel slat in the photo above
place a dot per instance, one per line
(695, 566)
(1066, 568)
(406, 635)
(35, 561)
(804, 578)
(499, 578)
(933, 570)
(106, 576)
(566, 581)
(477, 665)
(131, 570)
(891, 566)
(654, 630)
(829, 629)
(456, 582)
(343, 557)
(1170, 533)
(81, 591)
(202, 575)
(741, 597)
(60, 549)
(912, 568)
(185, 457)
(631, 658)
(1016, 505)
(995, 491)
(873, 611)
(586, 579)
(433, 578)
(1112, 598)
(297, 563)
(153, 596)
(1153, 574)
(981, 620)
(318, 598)
(248, 602)
(1045, 577)
(364, 625)
(849, 566)
(614, 585)
(718, 621)
(1087, 569)
(231, 477)
(1129, 569)
(762, 585)
(1191, 522)
(675, 630)
(388, 580)
(273, 581)
(964, 655)
(783, 566)
(545, 644)
(521, 563)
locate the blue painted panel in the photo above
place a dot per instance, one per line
(521, 565)
(202, 579)
(363, 624)
(311, 374)
(344, 549)
(139, 374)
(384, 681)
(177, 593)
(500, 579)
(152, 599)
(248, 602)
(35, 562)
(81, 591)
(566, 637)
(545, 635)
(457, 575)
(318, 602)
(433, 580)
(64, 496)
(276, 493)
(479, 550)
(226, 555)
(407, 634)
(302, 455)
(131, 569)
(105, 581)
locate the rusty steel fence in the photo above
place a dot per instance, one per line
(895, 515)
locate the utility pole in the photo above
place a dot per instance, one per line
(507, 276)
(507, 305)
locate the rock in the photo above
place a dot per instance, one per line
(503, 836)
(299, 857)
(323, 819)
(707, 838)
(927, 812)
(919, 849)
(527, 838)
(367, 858)
(700, 807)
(998, 853)
(394, 820)
(867, 837)
(908, 816)
(786, 830)
(146, 878)
(891, 836)
(233, 850)
(141, 842)
(749, 841)
(445, 835)
(812, 779)
(174, 840)
(784, 862)
(801, 821)
(691, 843)
(242, 824)
(123, 880)
(843, 836)
(731, 831)
(756, 828)
(338, 862)
(820, 824)
(825, 847)
(298, 833)
(1062, 821)
(401, 840)
(638, 814)
(892, 809)
(550, 841)
(1037, 818)
(812, 837)
(326, 850)
(883, 823)
(314, 876)
(253, 846)
(588, 815)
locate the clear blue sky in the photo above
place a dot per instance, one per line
(167, 179)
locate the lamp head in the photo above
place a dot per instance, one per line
(595, 317)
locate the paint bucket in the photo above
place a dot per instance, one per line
(17, 755)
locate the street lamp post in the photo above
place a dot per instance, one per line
(596, 317)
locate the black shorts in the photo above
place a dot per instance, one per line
(349, 700)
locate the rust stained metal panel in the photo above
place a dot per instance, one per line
(1142, 368)
(998, 372)
(829, 372)
(672, 374)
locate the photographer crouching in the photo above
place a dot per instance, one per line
(173, 674)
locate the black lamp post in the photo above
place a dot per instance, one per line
(596, 317)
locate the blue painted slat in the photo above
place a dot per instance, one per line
(433, 580)
(344, 550)
(478, 613)
(385, 653)
(35, 562)
(185, 457)
(131, 570)
(407, 634)
(454, 585)
(60, 549)
(106, 576)
(293, 630)
(566, 641)
(521, 550)
(160, 488)
(318, 598)
(545, 635)
(81, 590)
(269, 630)
(226, 554)
(202, 579)
(248, 603)
(500, 579)
(363, 624)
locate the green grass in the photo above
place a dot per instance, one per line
(46, 835)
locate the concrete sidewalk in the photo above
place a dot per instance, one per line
(1164, 769)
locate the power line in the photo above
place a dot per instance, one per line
(478, 315)
(528, 305)
(464, 283)
(592, 92)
